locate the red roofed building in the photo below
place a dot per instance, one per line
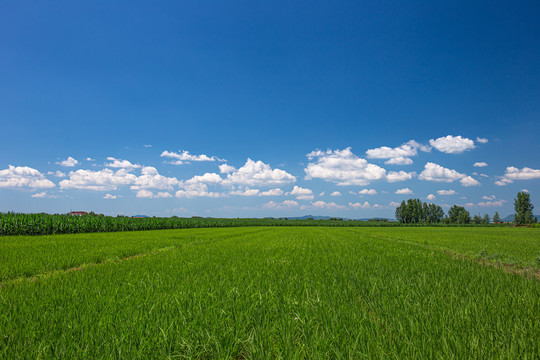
(78, 213)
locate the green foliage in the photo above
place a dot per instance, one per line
(414, 211)
(458, 215)
(524, 209)
(265, 293)
(496, 217)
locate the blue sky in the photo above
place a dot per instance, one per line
(268, 108)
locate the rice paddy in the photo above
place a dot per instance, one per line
(272, 292)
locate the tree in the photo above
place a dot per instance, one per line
(487, 220)
(477, 219)
(458, 215)
(523, 208)
(496, 217)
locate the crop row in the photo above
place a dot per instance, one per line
(46, 224)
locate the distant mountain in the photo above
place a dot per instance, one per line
(510, 218)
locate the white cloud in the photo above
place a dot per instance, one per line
(272, 192)
(513, 173)
(257, 173)
(287, 204)
(90, 159)
(368, 192)
(122, 164)
(110, 196)
(69, 162)
(225, 168)
(57, 173)
(358, 205)
(327, 205)
(431, 197)
(147, 146)
(40, 195)
(525, 190)
(246, 192)
(399, 161)
(108, 179)
(151, 179)
(402, 152)
(394, 176)
(163, 195)
(342, 167)
(491, 203)
(207, 178)
(23, 177)
(335, 193)
(446, 192)
(482, 140)
(321, 194)
(302, 193)
(480, 164)
(145, 194)
(469, 181)
(197, 190)
(394, 204)
(405, 191)
(185, 157)
(434, 172)
(452, 144)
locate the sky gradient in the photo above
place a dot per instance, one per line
(240, 109)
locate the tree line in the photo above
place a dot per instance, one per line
(415, 211)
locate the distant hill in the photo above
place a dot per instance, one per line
(510, 218)
(305, 217)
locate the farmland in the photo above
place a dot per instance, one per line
(272, 292)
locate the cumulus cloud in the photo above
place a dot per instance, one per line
(287, 204)
(184, 157)
(302, 193)
(490, 197)
(446, 192)
(335, 193)
(469, 181)
(405, 191)
(482, 140)
(368, 192)
(207, 178)
(144, 194)
(399, 155)
(342, 167)
(23, 177)
(525, 190)
(327, 205)
(39, 195)
(437, 173)
(57, 173)
(107, 179)
(226, 168)
(513, 173)
(452, 144)
(147, 146)
(394, 204)
(480, 164)
(110, 196)
(395, 176)
(399, 161)
(491, 203)
(90, 159)
(272, 192)
(431, 197)
(246, 192)
(197, 190)
(358, 205)
(69, 162)
(122, 164)
(257, 173)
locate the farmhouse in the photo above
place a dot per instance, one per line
(77, 213)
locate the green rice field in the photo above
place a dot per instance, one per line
(272, 293)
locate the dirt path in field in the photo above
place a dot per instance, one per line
(529, 272)
(55, 273)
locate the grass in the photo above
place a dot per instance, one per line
(268, 293)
